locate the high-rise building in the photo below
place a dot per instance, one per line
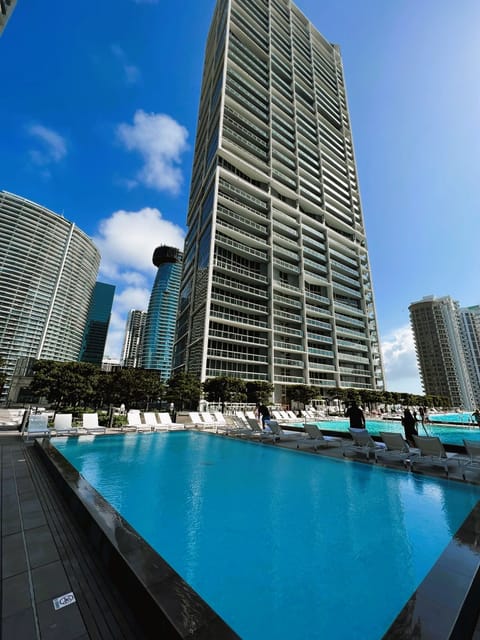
(440, 350)
(6, 10)
(133, 340)
(276, 283)
(470, 332)
(96, 330)
(48, 270)
(159, 335)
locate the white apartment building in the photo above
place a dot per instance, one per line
(276, 281)
(133, 339)
(470, 333)
(48, 270)
(440, 350)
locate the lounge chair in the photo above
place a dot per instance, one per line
(238, 428)
(396, 447)
(90, 423)
(472, 460)
(62, 425)
(165, 420)
(196, 419)
(362, 442)
(136, 421)
(315, 437)
(280, 434)
(250, 414)
(37, 427)
(258, 432)
(432, 452)
(151, 421)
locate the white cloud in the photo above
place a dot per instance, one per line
(161, 141)
(126, 241)
(400, 362)
(131, 72)
(52, 146)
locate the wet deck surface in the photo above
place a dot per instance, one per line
(45, 556)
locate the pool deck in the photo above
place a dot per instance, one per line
(45, 555)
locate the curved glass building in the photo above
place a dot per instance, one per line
(48, 270)
(159, 333)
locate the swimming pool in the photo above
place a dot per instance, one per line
(448, 434)
(279, 543)
(460, 418)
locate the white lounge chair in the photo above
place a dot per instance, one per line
(136, 421)
(62, 425)
(472, 460)
(165, 420)
(362, 442)
(315, 437)
(396, 447)
(432, 452)
(150, 420)
(280, 434)
(37, 427)
(238, 428)
(90, 423)
(258, 432)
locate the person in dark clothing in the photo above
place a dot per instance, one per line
(409, 426)
(355, 415)
(264, 413)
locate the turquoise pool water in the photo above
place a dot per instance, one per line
(279, 543)
(461, 418)
(447, 434)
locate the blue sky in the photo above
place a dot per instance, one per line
(99, 106)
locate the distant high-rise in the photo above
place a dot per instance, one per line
(48, 270)
(6, 10)
(440, 350)
(133, 340)
(98, 320)
(470, 332)
(276, 283)
(159, 332)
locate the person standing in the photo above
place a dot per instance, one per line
(409, 426)
(264, 414)
(356, 416)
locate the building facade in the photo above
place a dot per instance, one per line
(440, 350)
(98, 320)
(48, 270)
(470, 333)
(133, 340)
(276, 283)
(159, 335)
(6, 10)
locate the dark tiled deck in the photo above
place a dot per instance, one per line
(45, 555)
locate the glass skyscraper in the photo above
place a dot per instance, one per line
(159, 334)
(48, 270)
(98, 320)
(276, 283)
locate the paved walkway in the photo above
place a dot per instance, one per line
(44, 556)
